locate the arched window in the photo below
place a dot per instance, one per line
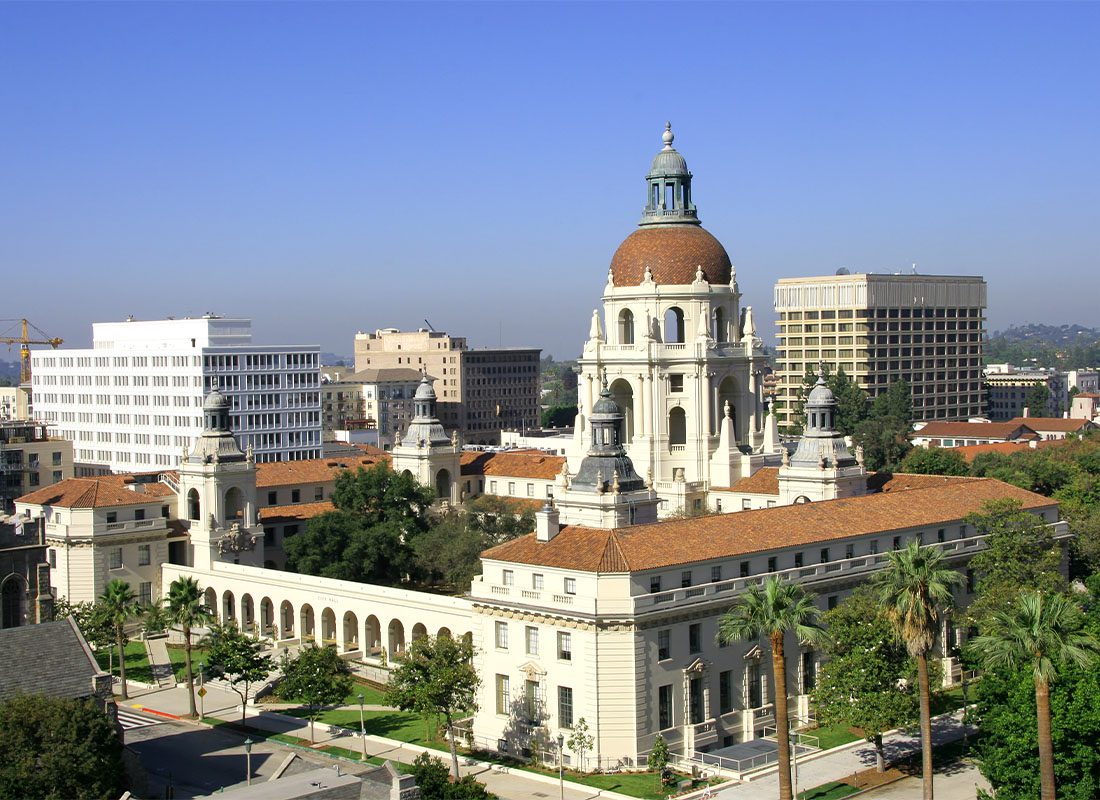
(443, 484)
(623, 395)
(674, 326)
(11, 598)
(234, 504)
(677, 426)
(626, 326)
(720, 332)
(194, 511)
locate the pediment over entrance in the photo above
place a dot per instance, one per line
(696, 666)
(754, 653)
(532, 671)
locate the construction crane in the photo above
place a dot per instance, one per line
(24, 341)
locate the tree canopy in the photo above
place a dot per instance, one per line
(237, 659)
(316, 677)
(884, 434)
(58, 748)
(934, 461)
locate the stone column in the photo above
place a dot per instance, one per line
(640, 422)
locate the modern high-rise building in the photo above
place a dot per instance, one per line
(133, 402)
(481, 391)
(925, 329)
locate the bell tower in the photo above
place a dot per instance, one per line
(426, 452)
(218, 494)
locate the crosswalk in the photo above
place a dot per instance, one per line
(130, 719)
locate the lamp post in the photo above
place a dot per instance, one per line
(362, 729)
(248, 759)
(561, 762)
(202, 695)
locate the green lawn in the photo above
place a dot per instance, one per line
(951, 699)
(372, 696)
(137, 661)
(179, 663)
(636, 784)
(828, 791)
(403, 726)
(831, 736)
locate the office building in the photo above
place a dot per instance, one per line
(29, 459)
(133, 401)
(881, 328)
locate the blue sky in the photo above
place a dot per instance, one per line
(330, 167)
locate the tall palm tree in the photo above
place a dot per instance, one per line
(914, 588)
(186, 609)
(771, 612)
(119, 605)
(1044, 632)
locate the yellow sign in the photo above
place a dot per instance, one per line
(202, 691)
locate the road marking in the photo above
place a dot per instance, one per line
(128, 719)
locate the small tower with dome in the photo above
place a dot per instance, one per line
(677, 349)
(426, 451)
(217, 491)
(822, 467)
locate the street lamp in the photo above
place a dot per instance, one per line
(248, 759)
(561, 761)
(202, 695)
(362, 730)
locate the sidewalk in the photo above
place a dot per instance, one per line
(841, 763)
(164, 673)
(511, 784)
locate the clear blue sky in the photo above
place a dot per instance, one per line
(324, 168)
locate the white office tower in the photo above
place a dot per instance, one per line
(134, 401)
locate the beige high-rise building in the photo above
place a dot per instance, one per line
(925, 329)
(480, 391)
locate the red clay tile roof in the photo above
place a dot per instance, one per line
(764, 481)
(904, 481)
(667, 544)
(672, 253)
(512, 464)
(103, 492)
(296, 512)
(314, 470)
(1092, 395)
(972, 451)
(1053, 423)
(1016, 429)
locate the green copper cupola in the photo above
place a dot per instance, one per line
(669, 187)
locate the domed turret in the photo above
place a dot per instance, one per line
(425, 428)
(607, 465)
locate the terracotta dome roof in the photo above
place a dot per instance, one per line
(672, 253)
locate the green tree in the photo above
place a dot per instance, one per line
(154, 617)
(1038, 400)
(913, 589)
(1019, 553)
(316, 677)
(378, 495)
(434, 784)
(559, 416)
(772, 611)
(860, 685)
(238, 660)
(852, 404)
(658, 756)
(92, 620)
(450, 552)
(436, 676)
(580, 741)
(798, 407)
(1043, 633)
(934, 461)
(896, 403)
(499, 519)
(186, 609)
(119, 605)
(58, 748)
(885, 442)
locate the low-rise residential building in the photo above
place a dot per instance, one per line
(1055, 427)
(958, 434)
(1086, 405)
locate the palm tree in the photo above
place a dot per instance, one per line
(913, 588)
(772, 611)
(119, 605)
(1043, 632)
(186, 609)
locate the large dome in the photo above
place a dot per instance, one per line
(673, 253)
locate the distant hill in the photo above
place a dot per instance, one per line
(1064, 346)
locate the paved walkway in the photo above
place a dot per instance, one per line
(164, 673)
(839, 764)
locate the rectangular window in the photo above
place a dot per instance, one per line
(970, 581)
(51, 557)
(565, 646)
(695, 691)
(144, 552)
(295, 495)
(145, 593)
(873, 548)
(508, 577)
(744, 569)
(139, 514)
(536, 581)
(695, 637)
(530, 490)
(849, 550)
(654, 584)
(503, 691)
(112, 517)
(664, 707)
(272, 498)
(897, 542)
(941, 534)
(753, 685)
(664, 649)
(809, 672)
(532, 699)
(685, 579)
(502, 635)
(570, 585)
(725, 692)
(319, 493)
(511, 488)
(565, 707)
(746, 504)
(116, 558)
(716, 573)
(832, 601)
(824, 555)
(772, 564)
(531, 637)
(798, 559)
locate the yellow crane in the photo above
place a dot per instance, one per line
(24, 341)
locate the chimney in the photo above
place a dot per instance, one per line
(1027, 411)
(546, 523)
